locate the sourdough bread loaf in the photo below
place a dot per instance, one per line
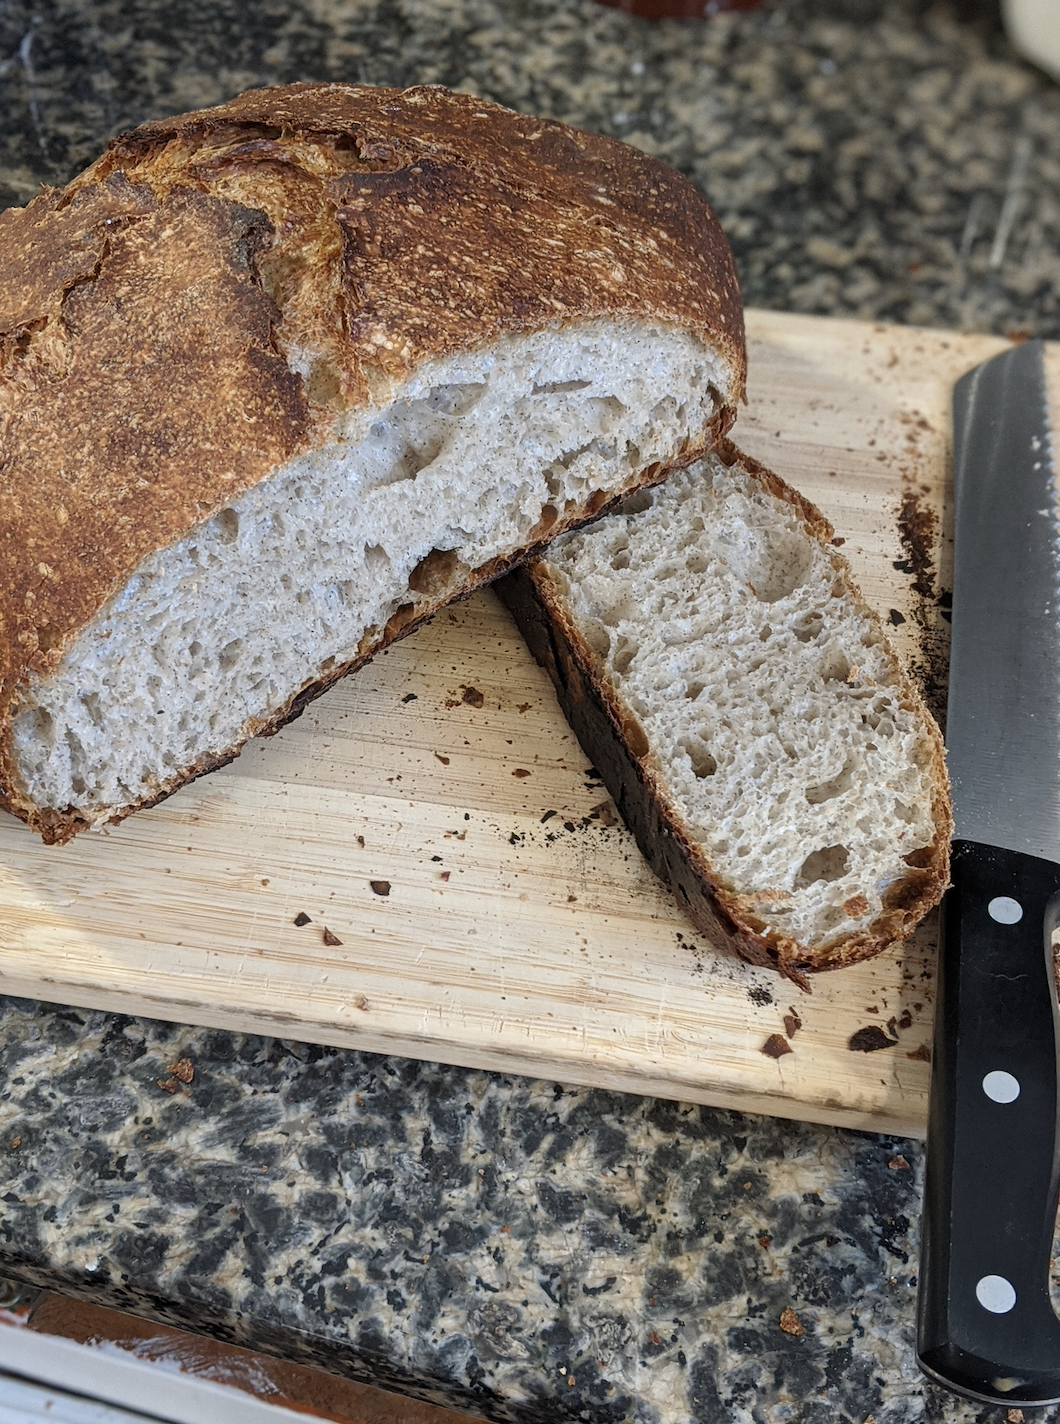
(747, 713)
(280, 378)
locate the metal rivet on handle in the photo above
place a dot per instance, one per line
(1001, 1087)
(995, 1294)
(1005, 910)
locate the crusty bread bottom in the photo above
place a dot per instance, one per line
(747, 713)
(229, 632)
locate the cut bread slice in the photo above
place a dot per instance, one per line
(279, 379)
(747, 713)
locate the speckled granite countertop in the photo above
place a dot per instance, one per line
(528, 1251)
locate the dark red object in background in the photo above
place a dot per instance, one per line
(680, 9)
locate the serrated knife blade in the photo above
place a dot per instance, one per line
(986, 1325)
(1003, 721)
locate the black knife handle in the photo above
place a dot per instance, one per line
(986, 1325)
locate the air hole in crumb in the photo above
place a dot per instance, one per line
(765, 634)
(456, 398)
(549, 515)
(620, 559)
(829, 863)
(228, 526)
(703, 764)
(637, 503)
(693, 690)
(808, 627)
(92, 707)
(829, 790)
(435, 572)
(558, 388)
(414, 460)
(835, 667)
(698, 562)
(626, 653)
(230, 654)
(376, 558)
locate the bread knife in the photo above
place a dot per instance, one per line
(986, 1326)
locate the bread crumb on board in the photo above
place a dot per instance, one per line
(868, 1040)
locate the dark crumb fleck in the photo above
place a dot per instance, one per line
(792, 1023)
(520, 771)
(515, 838)
(921, 1054)
(547, 816)
(896, 617)
(168, 1085)
(380, 887)
(360, 841)
(593, 775)
(760, 995)
(605, 813)
(16, 1143)
(410, 697)
(569, 826)
(776, 1046)
(916, 529)
(867, 1040)
(523, 706)
(436, 858)
(906, 1021)
(444, 874)
(330, 938)
(182, 1069)
(444, 760)
(302, 919)
(897, 1163)
(765, 1240)
(473, 697)
(571, 899)
(838, 543)
(264, 882)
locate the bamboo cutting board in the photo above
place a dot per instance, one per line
(471, 897)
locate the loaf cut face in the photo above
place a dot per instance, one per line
(279, 379)
(748, 714)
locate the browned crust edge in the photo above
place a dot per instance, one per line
(56, 827)
(609, 735)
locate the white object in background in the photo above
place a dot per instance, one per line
(112, 1376)
(25, 1403)
(1033, 26)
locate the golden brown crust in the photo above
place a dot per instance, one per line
(457, 219)
(151, 312)
(608, 734)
